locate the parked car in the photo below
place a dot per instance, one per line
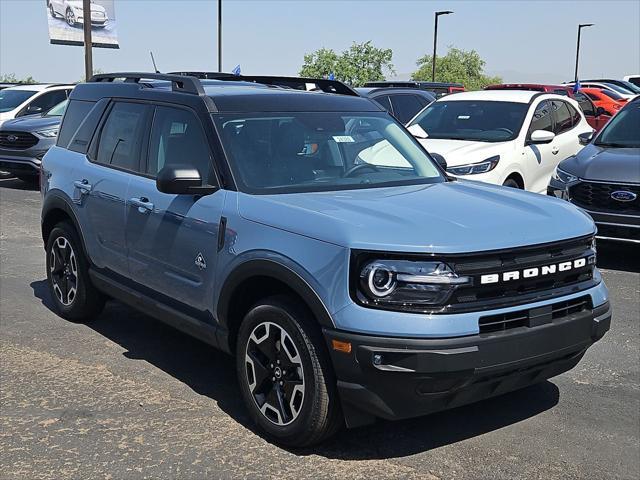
(635, 79)
(620, 83)
(24, 100)
(506, 137)
(25, 140)
(72, 12)
(597, 118)
(625, 93)
(439, 89)
(604, 177)
(607, 99)
(7, 85)
(346, 291)
(402, 103)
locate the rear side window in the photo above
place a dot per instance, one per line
(563, 117)
(177, 138)
(122, 136)
(405, 107)
(76, 112)
(585, 103)
(542, 118)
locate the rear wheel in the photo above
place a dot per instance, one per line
(285, 377)
(511, 183)
(74, 296)
(70, 18)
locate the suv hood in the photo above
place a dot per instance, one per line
(463, 152)
(605, 164)
(450, 217)
(31, 123)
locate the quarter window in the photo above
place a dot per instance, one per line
(542, 118)
(562, 116)
(122, 136)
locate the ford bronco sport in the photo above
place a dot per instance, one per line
(242, 211)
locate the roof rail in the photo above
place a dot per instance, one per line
(296, 83)
(179, 83)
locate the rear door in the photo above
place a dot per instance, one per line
(172, 239)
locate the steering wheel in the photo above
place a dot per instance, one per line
(357, 168)
(504, 129)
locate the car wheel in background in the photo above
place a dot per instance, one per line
(511, 183)
(74, 296)
(285, 376)
(70, 17)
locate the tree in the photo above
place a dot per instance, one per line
(361, 63)
(11, 78)
(457, 65)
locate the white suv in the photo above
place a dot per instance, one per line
(24, 100)
(506, 137)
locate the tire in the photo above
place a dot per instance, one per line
(511, 183)
(301, 407)
(74, 296)
(70, 18)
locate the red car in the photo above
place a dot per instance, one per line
(605, 98)
(596, 117)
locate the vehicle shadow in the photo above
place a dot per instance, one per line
(618, 256)
(212, 373)
(16, 184)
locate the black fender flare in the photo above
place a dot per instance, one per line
(58, 201)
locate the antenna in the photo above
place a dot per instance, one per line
(153, 60)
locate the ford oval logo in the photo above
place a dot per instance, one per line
(624, 196)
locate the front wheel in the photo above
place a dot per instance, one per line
(70, 17)
(511, 183)
(285, 377)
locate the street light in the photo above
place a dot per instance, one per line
(220, 35)
(580, 27)
(435, 40)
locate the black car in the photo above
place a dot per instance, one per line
(439, 89)
(604, 177)
(402, 103)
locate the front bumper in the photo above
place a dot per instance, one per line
(28, 163)
(395, 378)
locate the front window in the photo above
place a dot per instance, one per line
(623, 130)
(58, 110)
(478, 121)
(10, 99)
(313, 151)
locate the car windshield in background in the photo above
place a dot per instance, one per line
(612, 94)
(300, 152)
(58, 110)
(10, 99)
(484, 121)
(623, 130)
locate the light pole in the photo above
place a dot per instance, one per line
(435, 41)
(88, 43)
(220, 35)
(580, 27)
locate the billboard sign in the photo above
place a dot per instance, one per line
(66, 20)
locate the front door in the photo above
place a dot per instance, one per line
(172, 239)
(538, 157)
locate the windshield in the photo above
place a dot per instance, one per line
(10, 99)
(623, 130)
(612, 94)
(618, 88)
(630, 86)
(483, 121)
(58, 110)
(313, 151)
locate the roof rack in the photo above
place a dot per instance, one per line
(179, 83)
(296, 83)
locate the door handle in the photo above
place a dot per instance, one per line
(83, 185)
(143, 204)
(555, 150)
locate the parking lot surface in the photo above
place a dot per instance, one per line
(127, 397)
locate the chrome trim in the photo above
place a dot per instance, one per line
(615, 239)
(608, 182)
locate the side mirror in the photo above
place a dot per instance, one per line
(181, 180)
(600, 111)
(542, 136)
(585, 138)
(440, 160)
(32, 109)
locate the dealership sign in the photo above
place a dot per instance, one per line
(66, 20)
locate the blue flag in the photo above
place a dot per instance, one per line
(332, 76)
(576, 86)
(236, 71)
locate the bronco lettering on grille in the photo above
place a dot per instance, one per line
(535, 271)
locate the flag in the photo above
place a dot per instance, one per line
(332, 76)
(576, 86)
(236, 71)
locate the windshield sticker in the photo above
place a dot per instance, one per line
(343, 139)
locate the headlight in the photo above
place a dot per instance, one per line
(49, 133)
(474, 168)
(564, 177)
(406, 283)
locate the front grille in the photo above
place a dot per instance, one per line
(17, 140)
(534, 317)
(597, 197)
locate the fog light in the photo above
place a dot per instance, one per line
(377, 359)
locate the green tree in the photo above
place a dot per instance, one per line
(361, 63)
(11, 78)
(466, 67)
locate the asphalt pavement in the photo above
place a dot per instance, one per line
(128, 397)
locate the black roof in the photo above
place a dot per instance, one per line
(412, 84)
(373, 91)
(226, 94)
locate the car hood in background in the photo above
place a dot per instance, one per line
(450, 217)
(463, 152)
(616, 165)
(94, 6)
(31, 123)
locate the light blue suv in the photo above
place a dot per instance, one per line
(308, 234)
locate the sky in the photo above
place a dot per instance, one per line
(520, 40)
